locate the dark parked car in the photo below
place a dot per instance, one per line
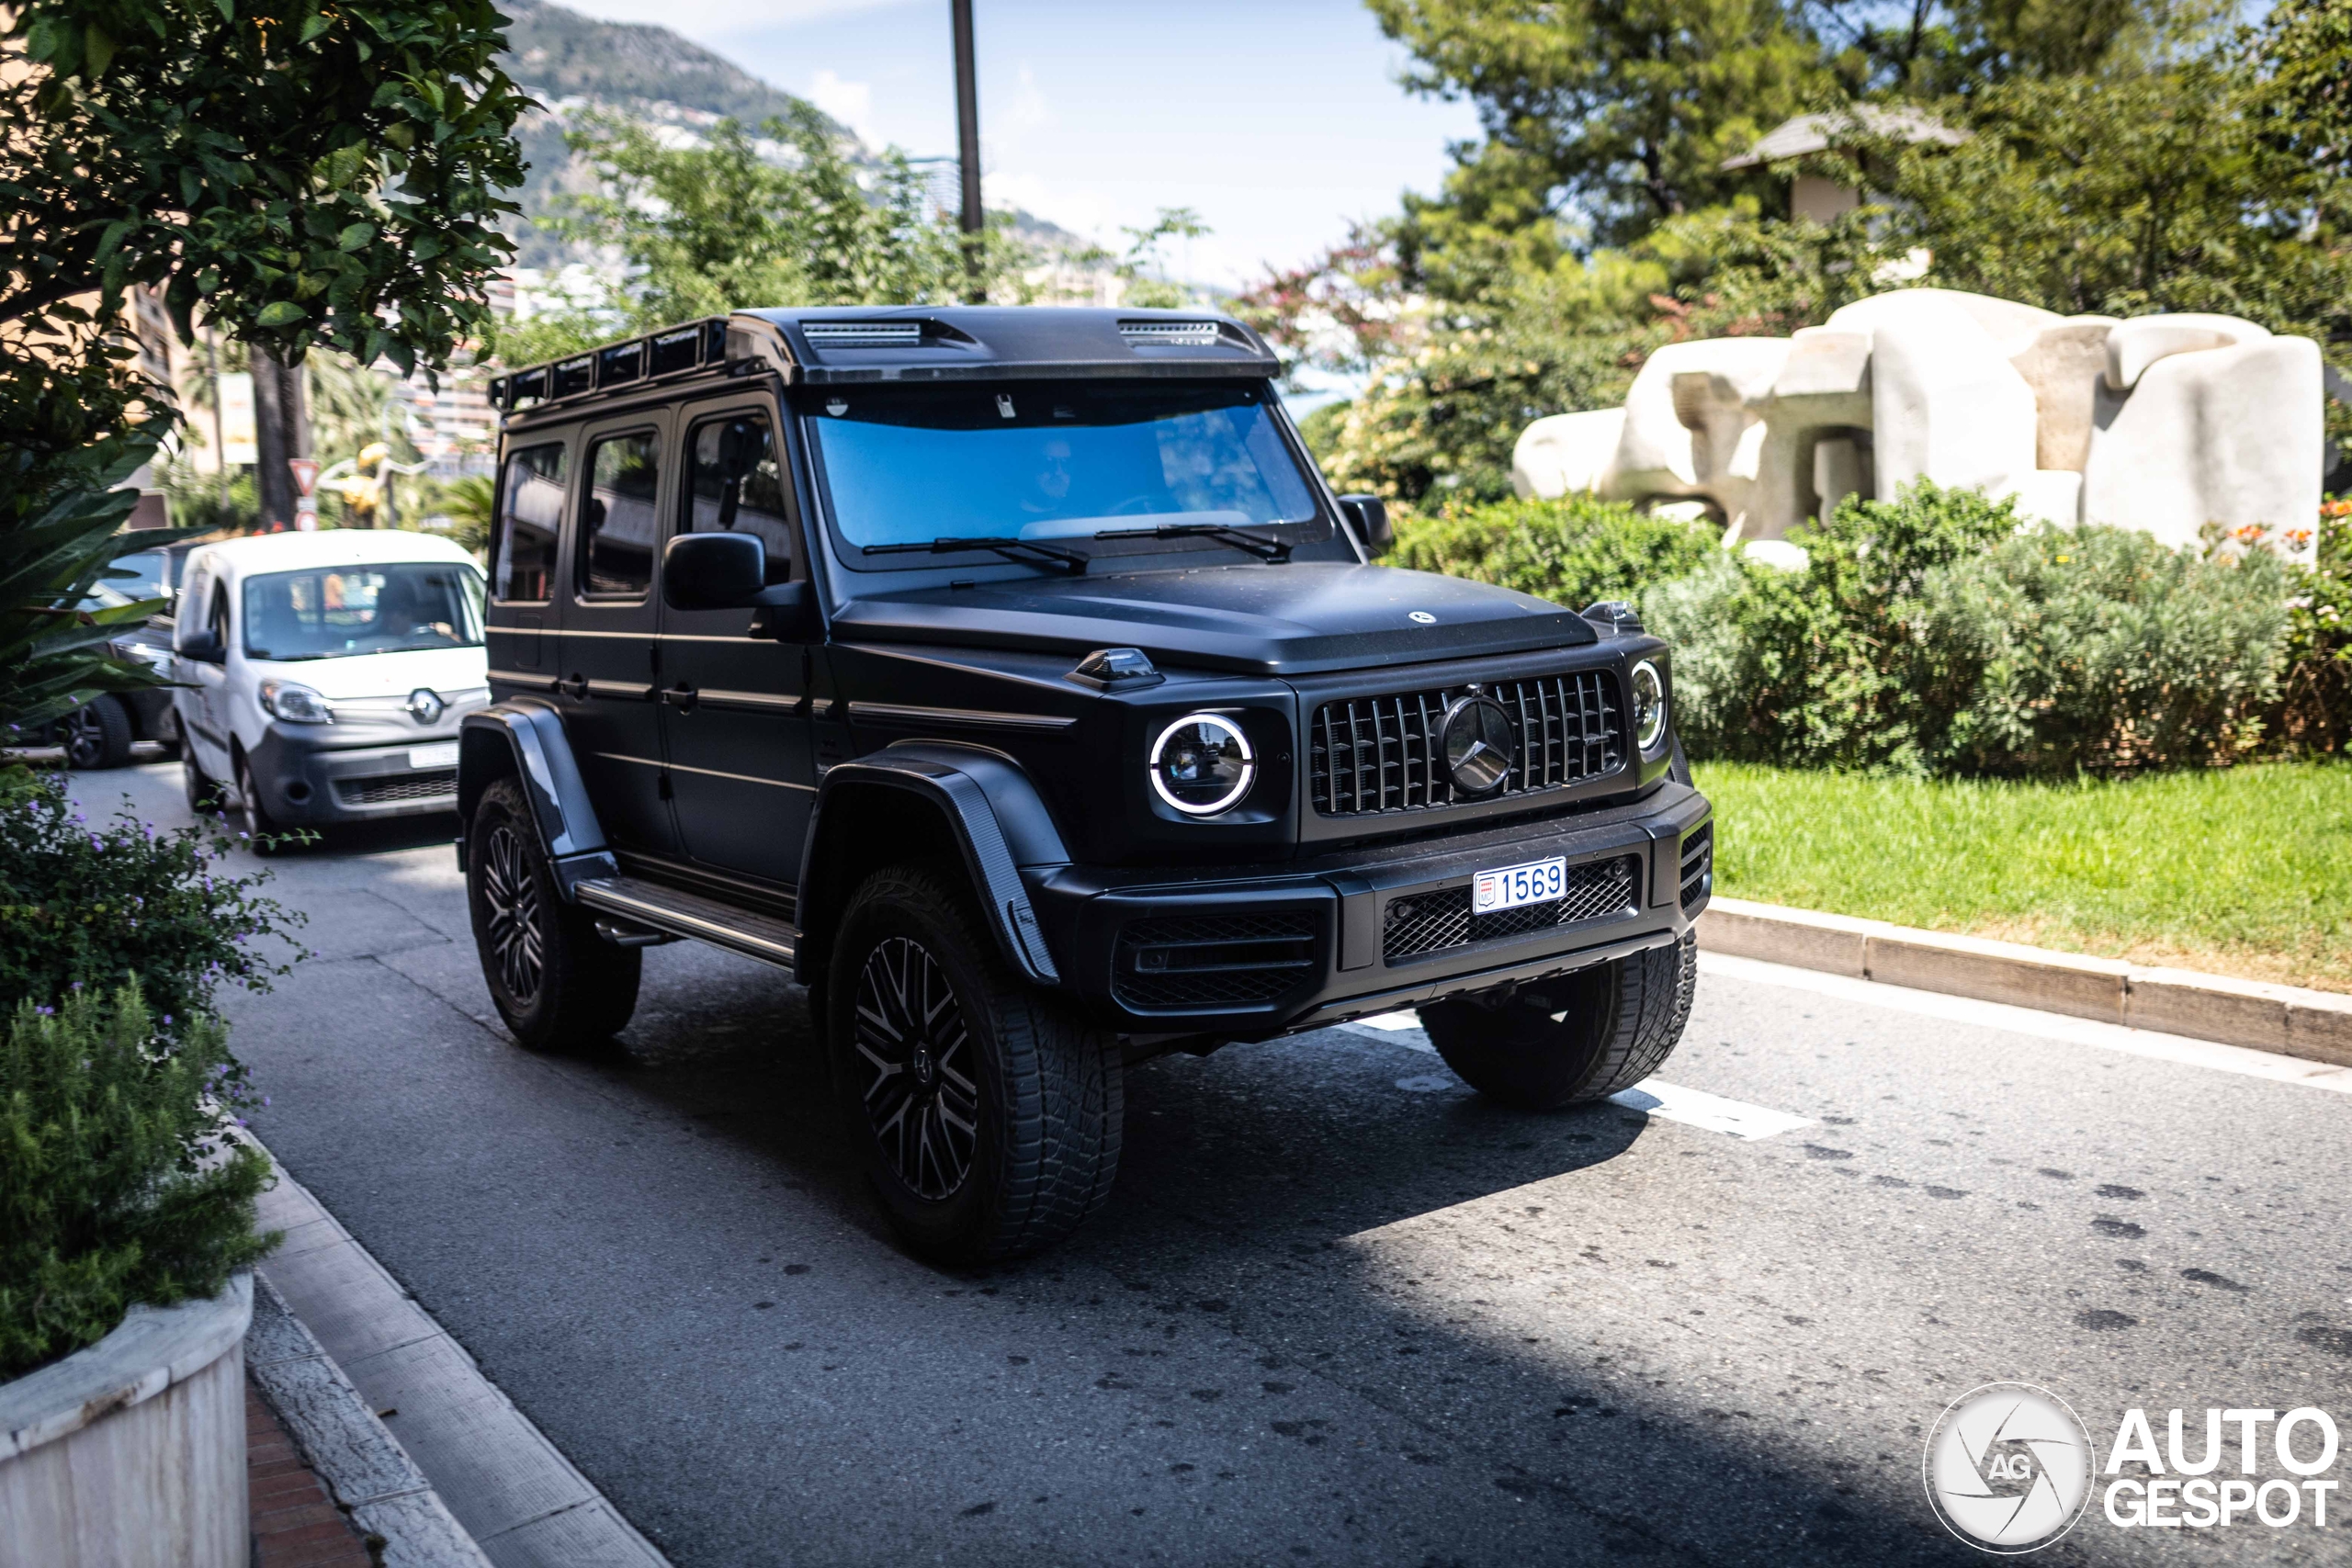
(1014, 678)
(101, 732)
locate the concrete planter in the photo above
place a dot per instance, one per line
(131, 1453)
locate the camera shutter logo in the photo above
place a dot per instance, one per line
(2008, 1468)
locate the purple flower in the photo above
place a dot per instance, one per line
(77, 984)
(45, 1012)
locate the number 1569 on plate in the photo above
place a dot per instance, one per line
(1508, 888)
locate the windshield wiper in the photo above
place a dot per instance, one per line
(1071, 562)
(1265, 549)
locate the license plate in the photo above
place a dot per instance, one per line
(1510, 886)
(445, 756)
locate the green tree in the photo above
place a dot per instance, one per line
(299, 172)
(703, 229)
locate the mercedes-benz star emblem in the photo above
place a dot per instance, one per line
(1479, 749)
(425, 705)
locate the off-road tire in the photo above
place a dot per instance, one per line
(96, 735)
(557, 983)
(1578, 1038)
(1045, 1088)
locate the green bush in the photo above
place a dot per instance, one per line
(117, 1182)
(1574, 551)
(2097, 650)
(2315, 693)
(97, 907)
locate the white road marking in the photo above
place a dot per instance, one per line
(1431, 1083)
(1394, 1029)
(2047, 1025)
(1694, 1108)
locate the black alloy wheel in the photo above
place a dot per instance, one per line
(262, 833)
(920, 1089)
(512, 937)
(558, 984)
(96, 735)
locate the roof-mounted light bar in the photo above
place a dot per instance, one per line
(863, 334)
(694, 346)
(1172, 334)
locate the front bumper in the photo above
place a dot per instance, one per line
(1267, 950)
(303, 782)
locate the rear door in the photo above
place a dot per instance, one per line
(610, 656)
(199, 703)
(735, 711)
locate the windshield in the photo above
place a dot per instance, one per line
(148, 578)
(389, 607)
(1055, 461)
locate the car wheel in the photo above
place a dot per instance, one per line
(988, 1113)
(96, 735)
(203, 795)
(1582, 1037)
(264, 834)
(167, 734)
(552, 978)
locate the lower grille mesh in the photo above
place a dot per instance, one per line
(1431, 922)
(1207, 961)
(1698, 867)
(394, 787)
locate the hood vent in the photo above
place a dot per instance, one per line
(864, 334)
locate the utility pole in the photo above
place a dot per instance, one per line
(968, 143)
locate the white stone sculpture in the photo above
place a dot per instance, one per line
(2161, 423)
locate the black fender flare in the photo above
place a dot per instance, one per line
(999, 823)
(523, 735)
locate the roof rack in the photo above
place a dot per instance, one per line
(672, 351)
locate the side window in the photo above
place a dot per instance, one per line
(529, 514)
(218, 618)
(617, 527)
(737, 485)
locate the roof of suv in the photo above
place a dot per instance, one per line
(861, 344)
(329, 548)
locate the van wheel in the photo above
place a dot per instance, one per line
(264, 834)
(989, 1115)
(96, 735)
(553, 979)
(1578, 1038)
(203, 795)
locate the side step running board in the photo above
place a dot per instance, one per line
(687, 914)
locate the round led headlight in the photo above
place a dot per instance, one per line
(1202, 764)
(1649, 705)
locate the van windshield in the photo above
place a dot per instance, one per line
(384, 607)
(1068, 463)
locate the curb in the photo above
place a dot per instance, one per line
(522, 1503)
(2288, 1020)
(369, 1476)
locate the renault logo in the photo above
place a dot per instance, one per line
(425, 705)
(1479, 746)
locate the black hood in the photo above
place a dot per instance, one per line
(1259, 620)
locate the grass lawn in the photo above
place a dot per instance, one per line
(2242, 871)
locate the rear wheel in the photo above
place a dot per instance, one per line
(552, 978)
(988, 1115)
(96, 735)
(1582, 1037)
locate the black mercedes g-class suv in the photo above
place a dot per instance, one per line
(1012, 676)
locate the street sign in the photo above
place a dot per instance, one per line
(306, 504)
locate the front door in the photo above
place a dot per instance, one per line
(734, 708)
(203, 705)
(610, 657)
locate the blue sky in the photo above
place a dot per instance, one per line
(1277, 121)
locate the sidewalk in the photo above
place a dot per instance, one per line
(294, 1522)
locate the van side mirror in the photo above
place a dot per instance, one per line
(202, 644)
(1370, 515)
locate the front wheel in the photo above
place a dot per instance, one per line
(203, 795)
(1581, 1037)
(97, 735)
(989, 1116)
(264, 834)
(552, 978)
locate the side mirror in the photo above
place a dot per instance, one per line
(1370, 515)
(713, 571)
(203, 645)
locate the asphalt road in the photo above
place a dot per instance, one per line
(1340, 1310)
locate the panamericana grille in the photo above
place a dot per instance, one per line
(1386, 753)
(1205, 961)
(1431, 922)
(1698, 866)
(391, 788)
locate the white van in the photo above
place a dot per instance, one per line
(325, 675)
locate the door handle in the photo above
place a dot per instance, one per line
(576, 687)
(681, 697)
